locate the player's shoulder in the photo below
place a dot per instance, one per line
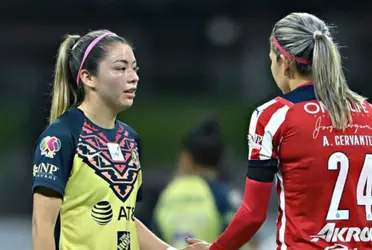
(284, 102)
(126, 128)
(367, 105)
(226, 197)
(277, 106)
(64, 128)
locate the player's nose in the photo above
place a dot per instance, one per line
(133, 77)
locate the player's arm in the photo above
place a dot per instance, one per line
(148, 240)
(52, 164)
(45, 212)
(263, 141)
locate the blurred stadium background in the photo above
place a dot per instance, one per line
(196, 58)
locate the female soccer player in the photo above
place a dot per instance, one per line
(316, 139)
(87, 172)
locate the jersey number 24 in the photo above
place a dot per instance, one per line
(363, 191)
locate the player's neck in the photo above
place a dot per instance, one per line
(208, 173)
(295, 83)
(99, 113)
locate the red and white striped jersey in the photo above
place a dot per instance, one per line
(323, 174)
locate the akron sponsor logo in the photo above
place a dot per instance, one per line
(102, 213)
(331, 233)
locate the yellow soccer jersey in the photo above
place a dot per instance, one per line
(97, 172)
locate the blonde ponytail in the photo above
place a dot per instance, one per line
(63, 96)
(331, 87)
(307, 39)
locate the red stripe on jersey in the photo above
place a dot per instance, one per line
(284, 101)
(264, 117)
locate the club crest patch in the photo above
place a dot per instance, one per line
(49, 146)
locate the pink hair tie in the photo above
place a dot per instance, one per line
(87, 51)
(289, 56)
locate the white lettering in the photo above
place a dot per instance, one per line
(45, 170)
(352, 128)
(312, 108)
(255, 141)
(364, 108)
(353, 140)
(331, 233)
(325, 141)
(337, 141)
(366, 234)
(315, 108)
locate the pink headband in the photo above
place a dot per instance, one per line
(87, 51)
(289, 56)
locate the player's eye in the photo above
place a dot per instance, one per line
(122, 68)
(136, 68)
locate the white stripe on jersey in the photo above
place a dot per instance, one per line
(282, 207)
(254, 121)
(272, 126)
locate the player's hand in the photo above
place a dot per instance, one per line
(195, 244)
(198, 246)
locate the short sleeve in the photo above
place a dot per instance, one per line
(53, 159)
(263, 140)
(138, 142)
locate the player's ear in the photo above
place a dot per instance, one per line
(283, 62)
(286, 66)
(87, 78)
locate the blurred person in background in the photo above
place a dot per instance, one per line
(316, 140)
(195, 203)
(87, 173)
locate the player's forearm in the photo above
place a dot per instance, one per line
(249, 218)
(43, 237)
(148, 240)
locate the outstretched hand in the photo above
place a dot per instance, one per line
(195, 244)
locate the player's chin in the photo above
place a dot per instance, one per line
(126, 103)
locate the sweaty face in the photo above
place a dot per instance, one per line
(117, 77)
(278, 72)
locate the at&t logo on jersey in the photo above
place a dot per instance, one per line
(331, 233)
(49, 146)
(102, 213)
(254, 141)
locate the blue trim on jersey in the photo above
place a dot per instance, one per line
(300, 94)
(221, 196)
(52, 166)
(271, 163)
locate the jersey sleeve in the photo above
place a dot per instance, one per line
(53, 159)
(138, 141)
(265, 131)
